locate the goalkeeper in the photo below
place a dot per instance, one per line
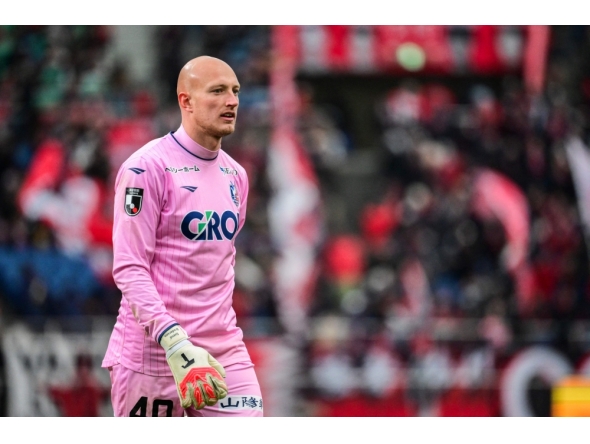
(180, 201)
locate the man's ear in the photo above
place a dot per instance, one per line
(184, 101)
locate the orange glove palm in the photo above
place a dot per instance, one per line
(198, 375)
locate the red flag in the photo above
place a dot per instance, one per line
(496, 196)
(535, 58)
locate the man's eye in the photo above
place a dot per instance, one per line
(237, 93)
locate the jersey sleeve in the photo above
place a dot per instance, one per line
(244, 188)
(138, 201)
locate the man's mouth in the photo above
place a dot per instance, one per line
(228, 116)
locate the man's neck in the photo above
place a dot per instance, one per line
(206, 141)
(191, 145)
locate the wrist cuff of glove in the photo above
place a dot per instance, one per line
(172, 336)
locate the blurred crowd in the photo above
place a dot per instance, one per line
(474, 249)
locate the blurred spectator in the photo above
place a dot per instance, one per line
(84, 397)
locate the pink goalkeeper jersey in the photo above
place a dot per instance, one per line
(178, 210)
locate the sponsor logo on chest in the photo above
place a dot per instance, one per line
(210, 225)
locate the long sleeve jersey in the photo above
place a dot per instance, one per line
(178, 210)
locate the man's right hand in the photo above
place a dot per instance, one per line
(198, 375)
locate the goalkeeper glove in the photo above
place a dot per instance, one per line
(198, 375)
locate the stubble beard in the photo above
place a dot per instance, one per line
(227, 131)
(220, 132)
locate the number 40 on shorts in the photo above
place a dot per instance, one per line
(140, 408)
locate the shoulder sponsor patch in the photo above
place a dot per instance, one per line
(230, 171)
(133, 201)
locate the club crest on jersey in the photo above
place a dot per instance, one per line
(230, 171)
(233, 190)
(133, 200)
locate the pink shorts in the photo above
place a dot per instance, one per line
(136, 394)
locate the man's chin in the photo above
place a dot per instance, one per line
(226, 131)
(220, 131)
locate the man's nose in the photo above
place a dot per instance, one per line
(232, 100)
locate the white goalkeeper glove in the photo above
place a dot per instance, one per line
(198, 375)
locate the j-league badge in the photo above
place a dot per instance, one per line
(133, 199)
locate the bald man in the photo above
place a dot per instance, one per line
(180, 202)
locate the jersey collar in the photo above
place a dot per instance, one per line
(188, 144)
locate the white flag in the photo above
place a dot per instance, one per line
(579, 162)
